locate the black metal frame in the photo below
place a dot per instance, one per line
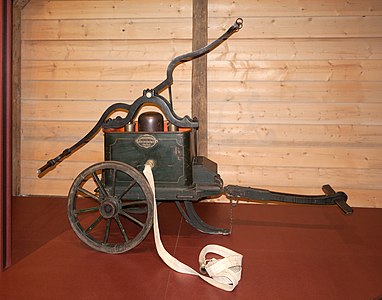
(330, 197)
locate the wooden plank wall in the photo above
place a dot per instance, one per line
(78, 58)
(294, 97)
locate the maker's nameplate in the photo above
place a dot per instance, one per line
(146, 141)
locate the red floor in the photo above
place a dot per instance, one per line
(290, 252)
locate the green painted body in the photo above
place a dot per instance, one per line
(179, 174)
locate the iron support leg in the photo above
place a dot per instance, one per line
(192, 218)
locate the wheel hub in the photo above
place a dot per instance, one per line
(108, 208)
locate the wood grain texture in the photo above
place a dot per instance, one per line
(120, 9)
(286, 134)
(343, 70)
(199, 104)
(236, 49)
(178, 28)
(16, 95)
(226, 112)
(218, 91)
(294, 98)
(69, 9)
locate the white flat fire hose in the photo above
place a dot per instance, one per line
(224, 273)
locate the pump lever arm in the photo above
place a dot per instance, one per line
(195, 54)
(87, 138)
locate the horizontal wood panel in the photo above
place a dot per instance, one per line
(360, 70)
(301, 177)
(298, 49)
(300, 157)
(301, 27)
(45, 149)
(243, 8)
(255, 134)
(98, 29)
(235, 49)
(296, 113)
(179, 28)
(58, 132)
(295, 91)
(67, 170)
(217, 70)
(101, 70)
(271, 155)
(136, 50)
(64, 110)
(43, 186)
(344, 70)
(62, 134)
(237, 91)
(125, 91)
(228, 112)
(75, 9)
(56, 182)
(82, 111)
(182, 8)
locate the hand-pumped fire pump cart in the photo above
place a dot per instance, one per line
(110, 204)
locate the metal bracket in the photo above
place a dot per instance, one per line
(149, 97)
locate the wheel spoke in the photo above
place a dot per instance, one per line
(99, 184)
(121, 228)
(113, 181)
(127, 189)
(131, 218)
(85, 210)
(133, 203)
(90, 194)
(107, 231)
(94, 224)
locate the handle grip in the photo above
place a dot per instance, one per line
(52, 162)
(45, 167)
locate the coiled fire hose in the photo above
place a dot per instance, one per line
(223, 273)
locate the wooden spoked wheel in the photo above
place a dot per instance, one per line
(110, 207)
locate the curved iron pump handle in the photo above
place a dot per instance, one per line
(133, 109)
(195, 54)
